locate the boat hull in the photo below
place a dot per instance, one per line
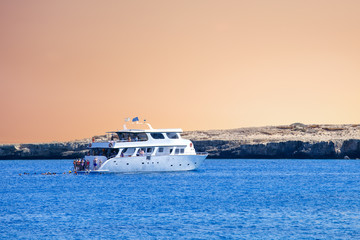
(151, 164)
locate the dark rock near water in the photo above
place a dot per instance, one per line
(289, 149)
(43, 151)
(351, 148)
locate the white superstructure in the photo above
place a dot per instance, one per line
(137, 150)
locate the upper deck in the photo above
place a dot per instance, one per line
(174, 130)
(142, 137)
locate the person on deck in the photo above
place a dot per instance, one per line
(82, 165)
(78, 164)
(142, 153)
(87, 165)
(95, 163)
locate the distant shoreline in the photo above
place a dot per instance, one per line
(295, 141)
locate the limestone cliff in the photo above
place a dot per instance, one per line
(290, 141)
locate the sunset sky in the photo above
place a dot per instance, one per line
(73, 69)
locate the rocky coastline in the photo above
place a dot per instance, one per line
(295, 141)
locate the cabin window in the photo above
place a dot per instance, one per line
(149, 150)
(157, 135)
(141, 136)
(113, 153)
(128, 152)
(98, 151)
(172, 135)
(132, 137)
(170, 151)
(161, 149)
(177, 151)
(141, 152)
(123, 136)
(182, 150)
(108, 152)
(114, 137)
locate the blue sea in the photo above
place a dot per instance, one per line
(224, 199)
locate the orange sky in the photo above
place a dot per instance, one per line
(72, 69)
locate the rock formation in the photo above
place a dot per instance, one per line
(290, 141)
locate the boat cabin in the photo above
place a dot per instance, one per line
(135, 136)
(136, 142)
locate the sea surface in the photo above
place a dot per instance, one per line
(224, 199)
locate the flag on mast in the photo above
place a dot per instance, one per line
(135, 119)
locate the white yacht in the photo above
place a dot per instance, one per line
(137, 150)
